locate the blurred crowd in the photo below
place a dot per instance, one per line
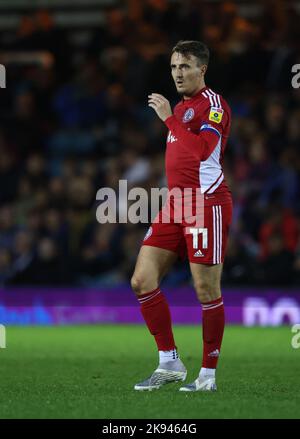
(80, 121)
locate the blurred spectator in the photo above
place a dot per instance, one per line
(280, 223)
(239, 265)
(277, 267)
(5, 266)
(46, 268)
(8, 227)
(101, 254)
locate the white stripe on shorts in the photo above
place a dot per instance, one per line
(217, 234)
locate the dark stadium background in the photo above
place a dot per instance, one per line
(74, 118)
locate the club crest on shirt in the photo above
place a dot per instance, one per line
(216, 114)
(188, 115)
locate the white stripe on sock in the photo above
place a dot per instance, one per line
(145, 299)
(207, 307)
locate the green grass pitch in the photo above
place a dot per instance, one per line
(90, 371)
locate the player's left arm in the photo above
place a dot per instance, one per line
(202, 143)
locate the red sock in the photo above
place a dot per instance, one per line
(156, 313)
(213, 322)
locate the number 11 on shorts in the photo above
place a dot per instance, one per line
(196, 231)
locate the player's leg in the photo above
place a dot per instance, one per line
(207, 283)
(152, 264)
(206, 249)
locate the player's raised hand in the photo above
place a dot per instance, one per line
(161, 105)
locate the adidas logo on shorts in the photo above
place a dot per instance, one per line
(198, 254)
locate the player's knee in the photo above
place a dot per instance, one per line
(141, 284)
(206, 291)
(135, 284)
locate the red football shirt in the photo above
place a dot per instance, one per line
(198, 133)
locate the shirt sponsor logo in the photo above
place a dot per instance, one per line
(216, 114)
(171, 138)
(188, 115)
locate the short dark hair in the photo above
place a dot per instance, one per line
(192, 47)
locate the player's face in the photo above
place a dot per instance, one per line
(187, 73)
